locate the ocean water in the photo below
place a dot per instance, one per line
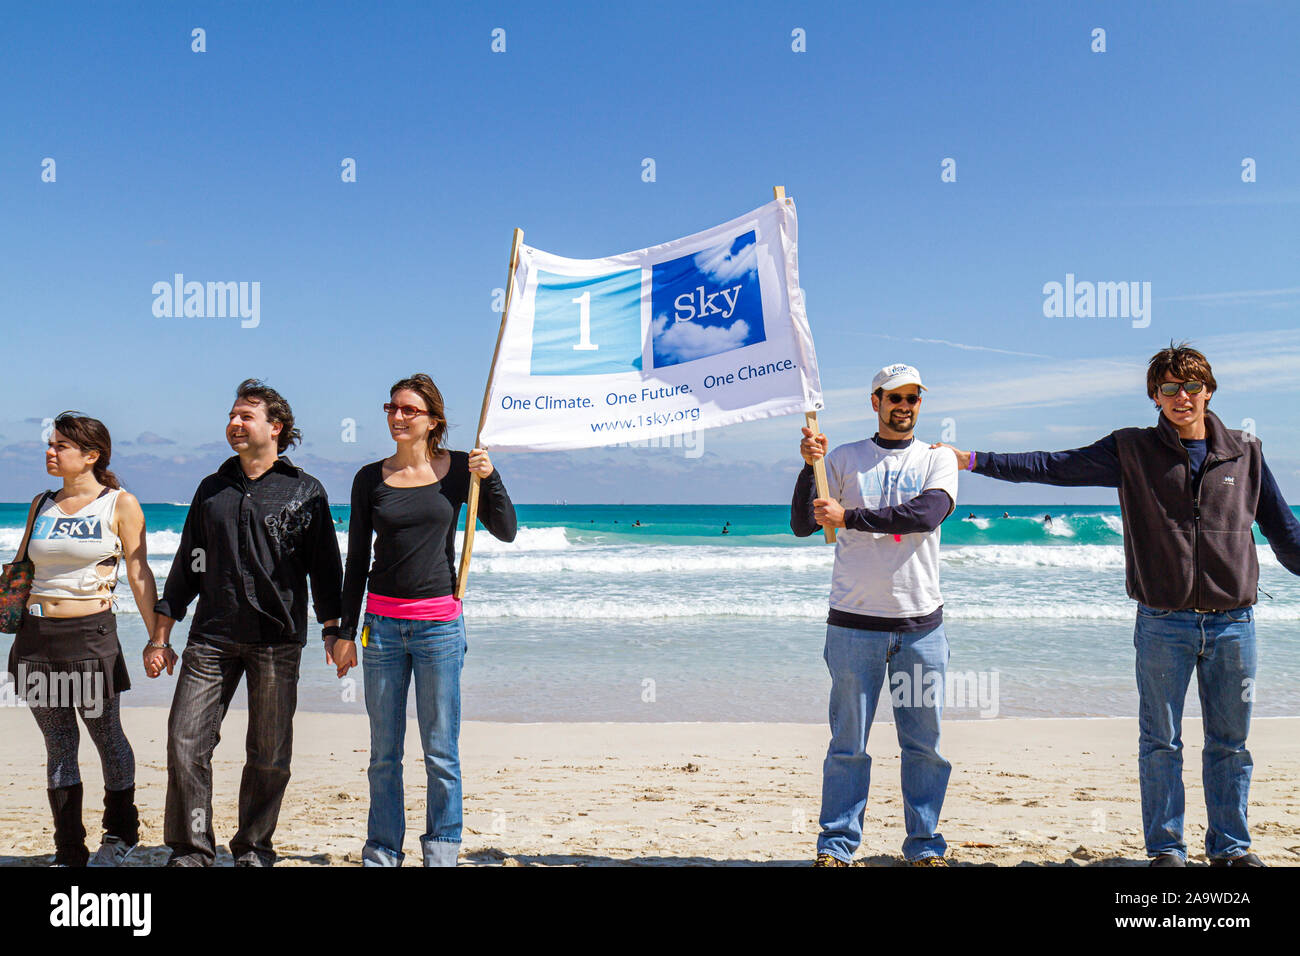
(587, 616)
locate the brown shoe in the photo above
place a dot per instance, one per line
(825, 859)
(929, 861)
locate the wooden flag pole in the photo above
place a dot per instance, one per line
(471, 503)
(810, 418)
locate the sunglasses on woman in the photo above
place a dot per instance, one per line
(1170, 389)
(408, 411)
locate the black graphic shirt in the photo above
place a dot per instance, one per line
(247, 551)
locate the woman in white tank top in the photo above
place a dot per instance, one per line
(66, 659)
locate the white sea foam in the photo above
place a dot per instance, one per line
(1035, 556)
(656, 559)
(1114, 522)
(615, 609)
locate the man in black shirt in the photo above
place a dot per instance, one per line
(256, 530)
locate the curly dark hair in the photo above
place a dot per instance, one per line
(277, 409)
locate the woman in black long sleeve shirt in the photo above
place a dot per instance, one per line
(412, 623)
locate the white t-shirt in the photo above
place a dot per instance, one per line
(874, 574)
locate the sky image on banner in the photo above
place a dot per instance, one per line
(700, 332)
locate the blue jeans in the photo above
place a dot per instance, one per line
(858, 661)
(434, 651)
(1221, 649)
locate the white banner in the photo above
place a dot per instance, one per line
(704, 331)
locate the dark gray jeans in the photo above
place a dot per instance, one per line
(210, 674)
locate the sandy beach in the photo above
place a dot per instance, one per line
(1045, 792)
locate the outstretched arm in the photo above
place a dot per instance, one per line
(1276, 522)
(1096, 465)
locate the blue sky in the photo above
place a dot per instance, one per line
(225, 166)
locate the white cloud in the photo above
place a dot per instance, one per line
(1011, 437)
(960, 345)
(721, 266)
(1241, 361)
(686, 341)
(1071, 429)
(1230, 298)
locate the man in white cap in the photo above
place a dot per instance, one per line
(889, 494)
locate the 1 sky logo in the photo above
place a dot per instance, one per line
(707, 303)
(53, 528)
(879, 484)
(587, 325)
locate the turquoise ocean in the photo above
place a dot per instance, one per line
(587, 616)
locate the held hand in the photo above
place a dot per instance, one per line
(963, 457)
(158, 658)
(813, 446)
(479, 463)
(828, 512)
(342, 654)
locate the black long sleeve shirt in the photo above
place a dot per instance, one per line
(247, 551)
(415, 534)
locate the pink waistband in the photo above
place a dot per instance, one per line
(414, 609)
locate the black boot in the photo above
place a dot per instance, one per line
(121, 819)
(69, 833)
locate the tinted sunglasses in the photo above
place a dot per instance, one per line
(897, 399)
(408, 411)
(1170, 389)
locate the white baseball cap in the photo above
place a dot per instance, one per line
(892, 376)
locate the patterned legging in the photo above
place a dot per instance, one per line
(62, 737)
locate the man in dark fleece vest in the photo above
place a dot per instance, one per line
(1190, 489)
